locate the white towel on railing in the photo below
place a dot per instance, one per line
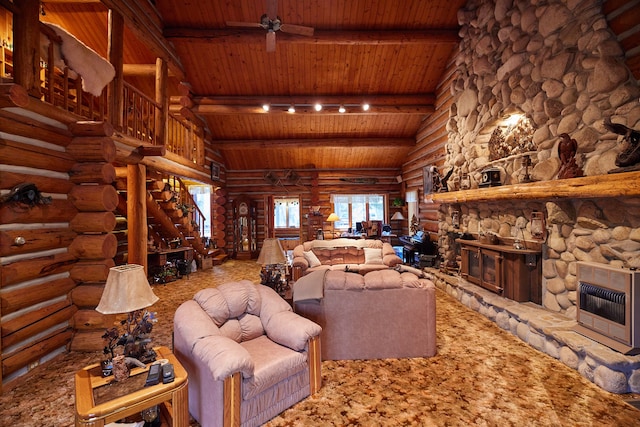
(96, 72)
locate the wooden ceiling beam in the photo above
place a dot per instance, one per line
(141, 70)
(206, 110)
(348, 99)
(312, 143)
(320, 37)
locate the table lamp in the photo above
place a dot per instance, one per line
(127, 291)
(273, 259)
(332, 218)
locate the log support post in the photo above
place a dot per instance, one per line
(137, 214)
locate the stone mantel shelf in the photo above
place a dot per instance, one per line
(625, 184)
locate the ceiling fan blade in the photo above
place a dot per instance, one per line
(297, 29)
(272, 9)
(243, 24)
(271, 41)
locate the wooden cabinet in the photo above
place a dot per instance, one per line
(245, 236)
(513, 273)
(314, 223)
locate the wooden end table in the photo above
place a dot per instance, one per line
(100, 400)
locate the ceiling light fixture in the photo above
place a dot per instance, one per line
(365, 107)
(317, 107)
(292, 109)
(265, 107)
(341, 109)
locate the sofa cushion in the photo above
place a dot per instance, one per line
(382, 279)
(372, 256)
(323, 255)
(312, 259)
(214, 304)
(272, 364)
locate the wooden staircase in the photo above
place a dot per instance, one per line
(173, 219)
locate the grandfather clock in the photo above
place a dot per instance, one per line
(245, 244)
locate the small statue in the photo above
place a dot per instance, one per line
(630, 156)
(567, 150)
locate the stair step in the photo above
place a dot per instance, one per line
(220, 258)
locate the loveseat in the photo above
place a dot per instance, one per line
(248, 356)
(360, 255)
(384, 314)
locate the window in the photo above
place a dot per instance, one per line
(202, 196)
(286, 211)
(353, 208)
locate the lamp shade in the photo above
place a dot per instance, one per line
(127, 290)
(271, 252)
(333, 217)
(397, 216)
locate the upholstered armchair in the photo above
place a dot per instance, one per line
(248, 355)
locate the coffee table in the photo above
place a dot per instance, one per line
(100, 400)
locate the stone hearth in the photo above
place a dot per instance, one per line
(549, 332)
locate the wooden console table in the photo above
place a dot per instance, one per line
(513, 273)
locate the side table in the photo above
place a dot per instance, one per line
(100, 400)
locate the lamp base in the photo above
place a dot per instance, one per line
(274, 276)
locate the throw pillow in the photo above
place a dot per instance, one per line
(312, 259)
(372, 256)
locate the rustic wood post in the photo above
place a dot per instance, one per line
(137, 214)
(115, 51)
(161, 116)
(26, 46)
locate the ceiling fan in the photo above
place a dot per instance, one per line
(271, 22)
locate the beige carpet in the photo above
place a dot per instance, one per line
(481, 376)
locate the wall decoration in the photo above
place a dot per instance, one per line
(26, 194)
(513, 136)
(427, 175)
(215, 171)
(629, 158)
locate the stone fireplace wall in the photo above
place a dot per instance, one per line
(559, 64)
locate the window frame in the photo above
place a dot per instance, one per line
(349, 222)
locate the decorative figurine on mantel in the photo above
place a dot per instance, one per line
(628, 159)
(567, 149)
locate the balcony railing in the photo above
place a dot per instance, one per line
(139, 114)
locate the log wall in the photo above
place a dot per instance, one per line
(55, 257)
(431, 140)
(314, 187)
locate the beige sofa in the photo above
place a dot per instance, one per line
(383, 314)
(360, 255)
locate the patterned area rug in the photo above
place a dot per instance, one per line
(481, 376)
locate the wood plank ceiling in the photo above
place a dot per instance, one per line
(386, 53)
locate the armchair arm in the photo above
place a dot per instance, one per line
(223, 357)
(291, 330)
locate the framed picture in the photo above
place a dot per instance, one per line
(428, 174)
(215, 171)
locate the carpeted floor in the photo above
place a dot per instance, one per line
(481, 376)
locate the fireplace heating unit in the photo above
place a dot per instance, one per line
(609, 306)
